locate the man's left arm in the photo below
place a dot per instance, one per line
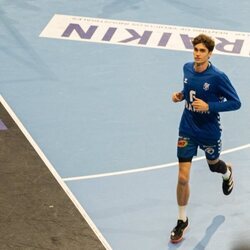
(231, 99)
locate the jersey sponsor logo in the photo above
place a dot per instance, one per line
(209, 150)
(190, 107)
(159, 36)
(185, 80)
(182, 143)
(206, 86)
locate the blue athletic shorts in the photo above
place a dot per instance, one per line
(187, 148)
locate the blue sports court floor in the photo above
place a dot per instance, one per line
(94, 98)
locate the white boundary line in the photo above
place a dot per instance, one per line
(55, 174)
(138, 170)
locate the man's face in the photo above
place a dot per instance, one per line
(201, 54)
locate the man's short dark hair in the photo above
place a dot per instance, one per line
(206, 40)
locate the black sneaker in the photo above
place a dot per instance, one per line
(227, 185)
(177, 233)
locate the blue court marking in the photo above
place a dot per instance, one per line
(2, 125)
(95, 108)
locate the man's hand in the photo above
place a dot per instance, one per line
(177, 97)
(199, 105)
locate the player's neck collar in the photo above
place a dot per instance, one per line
(200, 70)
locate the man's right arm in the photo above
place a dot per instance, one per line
(177, 96)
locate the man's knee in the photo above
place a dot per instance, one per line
(184, 172)
(218, 167)
(183, 179)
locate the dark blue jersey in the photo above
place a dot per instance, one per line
(214, 88)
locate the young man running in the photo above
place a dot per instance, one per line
(206, 91)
